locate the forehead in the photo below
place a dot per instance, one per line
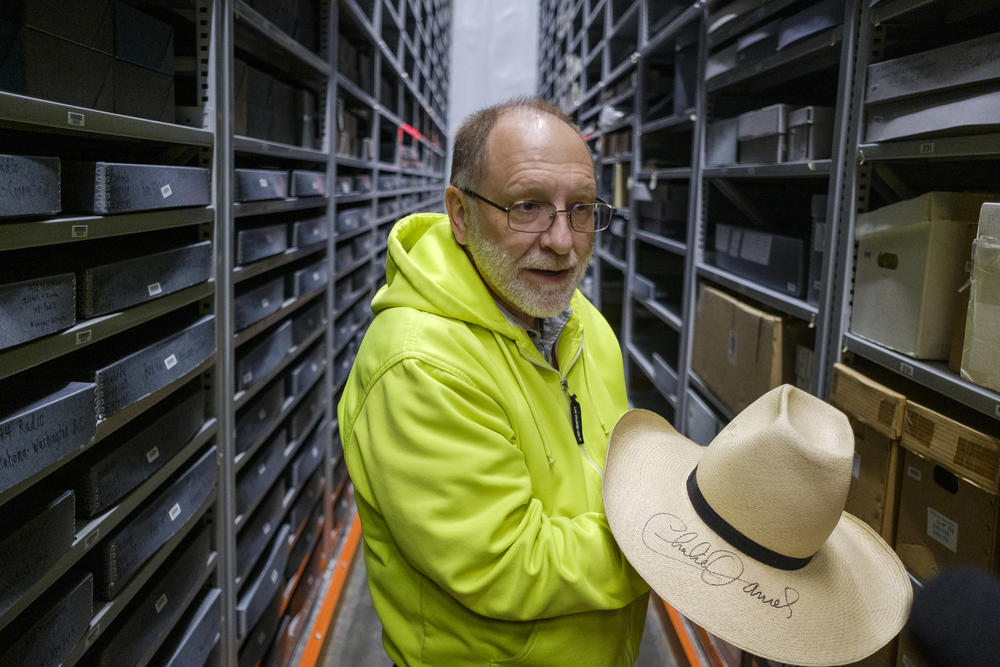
(532, 148)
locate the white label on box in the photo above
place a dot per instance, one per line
(262, 182)
(274, 576)
(152, 454)
(315, 275)
(267, 528)
(261, 470)
(913, 472)
(175, 511)
(161, 602)
(264, 303)
(79, 231)
(154, 289)
(942, 529)
(313, 367)
(170, 361)
(247, 377)
(166, 191)
(262, 415)
(315, 452)
(75, 118)
(856, 469)
(756, 248)
(790, 287)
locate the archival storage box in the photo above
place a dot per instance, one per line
(128, 379)
(966, 63)
(258, 529)
(307, 320)
(260, 472)
(143, 92)
(29, 548)
(88, 24)
(253, 243)
(721, 142)
(267, 583)
(773, 260)
(192, 642)
(302, 549)
(306, 411)
(256, 303)
(36, 307)
(308, 183)
(305, 592)
(876, 415)
(308, 369)
(121, 284)
(260, 184)
(810, 134)
(263, 356)
(136, 452)
(911, 262)
(259, 416)
(304, 503)
(30, 185)
(307, 279)
(959, 111)
(309, 457)
(980, 352)
(762, 134)
(151, 614)
(117, 187)
(305, 233)
(740, 352)
(258, 640)
(143, 39)
(123, 552)
(50, 629)
(39, 428)
(818, 16)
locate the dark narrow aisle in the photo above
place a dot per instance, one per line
(357, 635)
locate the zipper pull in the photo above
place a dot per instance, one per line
(575, 414)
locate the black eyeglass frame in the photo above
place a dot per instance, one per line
(552, 216)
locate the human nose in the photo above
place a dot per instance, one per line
(559, 236)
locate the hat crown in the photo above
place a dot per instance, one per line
(779, 473)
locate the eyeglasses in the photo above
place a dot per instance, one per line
(536, 217)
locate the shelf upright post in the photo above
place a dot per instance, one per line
(329, 42)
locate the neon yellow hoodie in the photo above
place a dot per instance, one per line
(485, 536)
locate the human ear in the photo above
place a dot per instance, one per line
(457, 213)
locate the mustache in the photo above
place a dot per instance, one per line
(543, 263)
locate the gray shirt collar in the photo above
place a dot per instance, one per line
(545, 339)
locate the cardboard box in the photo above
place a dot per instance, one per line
(48, 631)
(819, 16)
(944, 519)
(114, 187)
(260, 184)
(39, 427)
(260, 472)
(260, 415)
(30, 185)
(961, 111)
(910, 265)
(144, 447)
(118, 285)
(702, 424)
(143, 40)
(762, 134)
(980, 352)
(192, 643)
(257, 531)
(257, 303)
(775, 261)
(36, 307)
(84, 22)
(254, 243)
(876, 415)
(124, 551)
(263, 356)
(144, 93)
(970, 62)
(308, 183)
(30, 547)
(962, 449)
(810, 133)
(741, 352)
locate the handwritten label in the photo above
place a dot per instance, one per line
(75, 119)
(154, 289)
(152, 454)
(84, 336)
(914, 473)
(942, 529)
(170, 361)
(161, 602)
(905, 368)
(668, 535)
(175, 511)
(79, 231)
(166, 191)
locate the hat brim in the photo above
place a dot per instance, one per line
(851, 599)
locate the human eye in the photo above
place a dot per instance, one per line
(525, 207)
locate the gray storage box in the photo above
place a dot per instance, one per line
(85, 23)
(258, 642)
(308, 279)
(30, 185)
(264, 356)
(124, 551)
(259, 416)
(199, 633)
(115, 187)
(308, 183)
(256, 243)
(720, 62)
(255, 533)
(303, 547)
(152, 613)
(685, 73)
(32, 540)
(36, 307)
(757, 43)
(36, 430)
(343, 185)
(761, 134)
(810, 133)
(130, 378)
(260, 184)
(143, 39)
(143, 93)
(721, 142)
(110, 287)
(50, 629)
(307, 321)
(258, 302)
(260, 472)
(815, 18)
(960, 111)
(309, 458)
(971, 62)
(306, 500)
(105, 480)
(312, 405)
(309, 368)
(255, 596)
(350, 219)
(305, 233)
(772, 260)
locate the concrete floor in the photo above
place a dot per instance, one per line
(357, 635)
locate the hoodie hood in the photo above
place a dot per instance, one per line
(422, 258)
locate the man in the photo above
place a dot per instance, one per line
(476, 418)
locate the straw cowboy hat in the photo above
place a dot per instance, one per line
(747, 537)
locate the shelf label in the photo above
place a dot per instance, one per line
(152, 454)
(92, 539)
(79, 231)
(93, 633)
(166, 191)
(996, 410)
(905, 368)
(914, 473)
(154, 289)
(175, 511)
(927, 148)
(75, 119)
(942, 529)
(170, 361)
(83, 337)
(161, 602)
